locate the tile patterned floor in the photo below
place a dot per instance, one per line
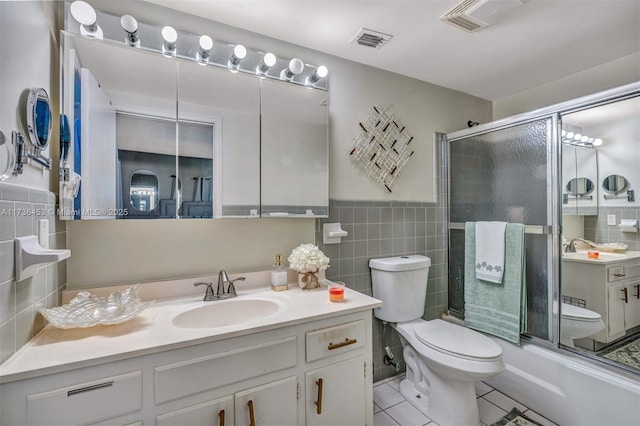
(391, 409)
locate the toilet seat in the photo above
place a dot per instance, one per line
(457, 341)
(575, 313)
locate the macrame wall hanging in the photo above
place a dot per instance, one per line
(381, 147)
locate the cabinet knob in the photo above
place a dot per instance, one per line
(625, 295)
(319, 401)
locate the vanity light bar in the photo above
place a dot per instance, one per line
(194, 47)
(574, 138)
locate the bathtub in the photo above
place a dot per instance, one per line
(566, 388)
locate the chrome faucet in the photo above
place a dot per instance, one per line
(221, 293)
(571, 247)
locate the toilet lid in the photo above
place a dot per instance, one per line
(580, 314)
(457, 340)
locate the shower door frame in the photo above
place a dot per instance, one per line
(554, 190)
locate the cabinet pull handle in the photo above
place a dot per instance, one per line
(221, 415)
(619, 275)
(637, 286)
(252, 418)
(346, 342)
(625, 296)
(319, 401)
(90, 388)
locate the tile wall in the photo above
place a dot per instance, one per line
(20, 210)
(596, 228)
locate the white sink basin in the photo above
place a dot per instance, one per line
(226, 313)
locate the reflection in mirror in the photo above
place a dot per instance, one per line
(38, 117)
(143, 190)
(614, 184)
(580, 186)
(595, 319)
(120, 106)
(294, 142)
(223, 110)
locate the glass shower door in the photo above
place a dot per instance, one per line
(506, 174)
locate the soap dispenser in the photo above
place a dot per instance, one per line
(279, 275)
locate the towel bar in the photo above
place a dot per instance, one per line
(528, 229)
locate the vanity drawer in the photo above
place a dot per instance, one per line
(334, 340)
(623, 272)
(192, 376)
(87, 402)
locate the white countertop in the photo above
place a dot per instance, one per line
(603, 258)
(55, 350)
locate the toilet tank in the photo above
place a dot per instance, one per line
(401, 283)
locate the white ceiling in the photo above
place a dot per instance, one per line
(539, 42)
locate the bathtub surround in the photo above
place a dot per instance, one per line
(20, 210)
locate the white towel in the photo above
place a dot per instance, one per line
(490, 251)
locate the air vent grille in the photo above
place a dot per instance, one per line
(370, 38)
(472, 15)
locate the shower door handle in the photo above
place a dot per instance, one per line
(625, 295)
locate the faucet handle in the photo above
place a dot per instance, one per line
(232, 288)
(209, 292)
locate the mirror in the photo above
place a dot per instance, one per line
(38, 117)
(294, 142)
(143, 190)
(580, 186)
(614, 184)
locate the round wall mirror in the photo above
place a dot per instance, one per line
(580, 186)
(38, 117)
(615, 184)
(143, 190)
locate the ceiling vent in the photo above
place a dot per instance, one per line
(370, 38)
(473, 15)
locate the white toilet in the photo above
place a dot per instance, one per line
(443, 359)
(576, 323)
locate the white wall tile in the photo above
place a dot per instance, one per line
(24, 222)
(7, 339)
(7, 221)
(7, 266)
(24, 327)
(7, 301)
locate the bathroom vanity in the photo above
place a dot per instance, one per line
(610, 286)
(308, 362)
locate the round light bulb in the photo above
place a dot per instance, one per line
(240, 51)
(269, 59)
(83, 12)
(169, 34)
(584, 139)
(322, 71)
(296, 66)
(590, 140)
(577, 136)
(597, 142)
(570, 135)
(206, 42)
(129, 23)
(564, 132)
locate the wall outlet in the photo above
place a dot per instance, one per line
(611, 219)
(43, 232)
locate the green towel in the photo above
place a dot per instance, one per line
(500, 310)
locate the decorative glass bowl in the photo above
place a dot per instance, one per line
(87, 310)
(610, 247)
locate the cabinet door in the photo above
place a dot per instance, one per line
(218, 412)
(616, 311)
(335, 394)
(632, 308)
(272, 404)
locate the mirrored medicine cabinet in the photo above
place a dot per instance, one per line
(144, 136)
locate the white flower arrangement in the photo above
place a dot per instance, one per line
(308, 258)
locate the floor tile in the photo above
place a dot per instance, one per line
(376, 408)
(538, 418)
(406, 414)
(383, 419)
(503, 401)
(482, 388)
(395, 383)
(489, 413)
(386, 396)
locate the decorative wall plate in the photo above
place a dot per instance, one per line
(381, 147)
(87, 310)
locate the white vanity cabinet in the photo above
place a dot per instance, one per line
(610, 288)
(260, 378)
